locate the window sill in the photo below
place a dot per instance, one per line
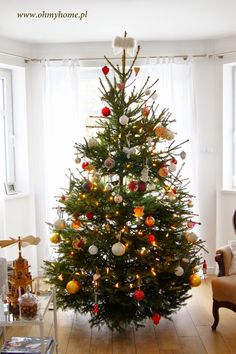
(229, 191)
(16, 196)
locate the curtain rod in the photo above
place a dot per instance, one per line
(217, 55)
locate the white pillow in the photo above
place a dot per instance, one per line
(232, 269)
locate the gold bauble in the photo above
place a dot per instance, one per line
(55, 238)
(72, 286)
(195, 280)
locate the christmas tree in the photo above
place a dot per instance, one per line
(126, 249)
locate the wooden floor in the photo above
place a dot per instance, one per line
(189, 332)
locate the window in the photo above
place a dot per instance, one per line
(6, 128)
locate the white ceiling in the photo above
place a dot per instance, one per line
(142, 19)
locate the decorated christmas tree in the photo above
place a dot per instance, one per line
(126, 249)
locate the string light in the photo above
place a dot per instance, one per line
(107, 270)
(72, 253)
(60, 277)
(117, 285)
(153, 271)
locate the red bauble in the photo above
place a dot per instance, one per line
(133, 186)
(162, 164)
(174, 161)
(105, 70)
(106, 111)
(84, 165)
(174, 190)
(145, 111)
(142, 186)
(138, 295)
(87, 186)
(150, 221)
(151, 238)
(156, 318)
(89, 215)
(95, 309)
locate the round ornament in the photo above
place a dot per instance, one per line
(179, 271)
(154, 96)
(109, 163)
(118, 199)
(118, 249)
(145, 111)
(148, 92)
(191, 237)
(150, 221)
(59, 224)
(77, 159)
(156, 318)
(76, 224)
(190, 203)
(172, 167)
(190, 224)
(124, 120)
(120, 86)
(106, 111)
(78, 244)
(194, 280)
(89, 215)
(133, 186)
(87, 186)
(138, 295)
(105, 70)
(93, 250)
(163, 172)
(72, 286)
(55, 238)
(183, 155)
(142, 186)
(92, 142)
(160, 131)
(151, 238)
(138, 211)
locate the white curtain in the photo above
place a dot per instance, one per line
(62, 128)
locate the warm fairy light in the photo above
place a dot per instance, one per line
(157, 259)
(140, 130)
(67, 241)
(116, 285)
(84, 196)
(117, 212)
(107, 270)
(143, 249)
(137, 276)
(128, 165)
(111, 197)
(173, 227)
(60, 277)
(154, 243)
(154, 164)
(72, 253)
(97, 203)
(82, 272)
(175, 215)
(106, 216)
(126, 245)
(167, 235)
(153, 271)
(77, 273)
(131, 285)
(140, 233)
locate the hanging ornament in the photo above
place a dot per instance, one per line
(133, 186)
(118, 249)
(142, 186)
(147, 92)
(151, 187)
(150, 221)
(154, 96)
(118, 199)
(172, 167)
(106, 111)
(76, 224)
(191, 224)
(179, 271)
(120, 86)
(191, 237)
(77, 159)
(151, 238)
(136, 70)
(160, 131)
(84, 164)
(190, 203)
(89, 215)
(194, 280)
(138, 295)
(163, 172)
(204, 267)
(156, 318)
(171, 195)
(169, 135)
(96, 276)
(138, 211)
(93, 250)
(105, 70)
(87, 186)
(109, 163)
(173, 160)
(72, 286)
(95, 309)
(78, 244)
(92, 142)
(109, 187)
(129, 151)
(124, 120)
(145, 111)
(183, 155)
(59, 224)
(55, 238)
(144, 174)
(128, 44)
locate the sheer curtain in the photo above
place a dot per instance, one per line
(63, 126)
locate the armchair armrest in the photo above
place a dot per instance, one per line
(220, 260)
(224, 259)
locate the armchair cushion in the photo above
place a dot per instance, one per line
(224, 288)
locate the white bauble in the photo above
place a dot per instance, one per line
(172, 167)
(182, 155)
(59, 224)
(154, 96)
(118, 249)
(179, 271)
(147, 92)
(124, 120)
(118, 199)
(77, 159)
(109, 163)
(191, 237)
(92, 142)
(93, 250)
(169, 134)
